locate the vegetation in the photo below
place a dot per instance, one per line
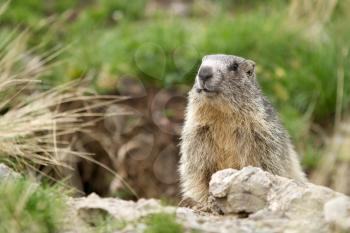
(29, 207)
(162, 223)
(31, 124)
(107, 224)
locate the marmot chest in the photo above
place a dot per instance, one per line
(229, 144)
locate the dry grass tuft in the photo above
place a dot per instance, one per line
(34, 123)
(31, 121)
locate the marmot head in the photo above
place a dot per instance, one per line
(226, 80)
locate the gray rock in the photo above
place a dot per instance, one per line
(236, 192)
(267, 197)
(270, 204)
(121, 209)
(7, 173)
(337, 213)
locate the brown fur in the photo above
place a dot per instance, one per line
(232, 128)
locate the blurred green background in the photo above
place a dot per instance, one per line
(300, 47)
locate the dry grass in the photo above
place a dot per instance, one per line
(312, 11)
(31, 121)
(312, 15)
(34, 123)
(334, 168)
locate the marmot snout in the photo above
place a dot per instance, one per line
(231, 124)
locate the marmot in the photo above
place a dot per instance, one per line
(229, 123)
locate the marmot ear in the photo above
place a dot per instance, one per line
(251, 68)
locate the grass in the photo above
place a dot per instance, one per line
(162, 223)
(33, 121)
(30, 125)
(108, 225)
(29, 207)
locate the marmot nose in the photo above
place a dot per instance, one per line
(205, 73)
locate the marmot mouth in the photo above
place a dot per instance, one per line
(206, 91)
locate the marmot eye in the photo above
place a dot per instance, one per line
(233, 66)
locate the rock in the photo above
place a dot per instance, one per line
(245, 191)
(268, 197)
(7, 173)
(251, 199)
(337, 213)
(220, 182)
(125, 210)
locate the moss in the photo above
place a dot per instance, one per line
(162, 223)
(108, 224)
(29, 207)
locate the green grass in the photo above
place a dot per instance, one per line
(108, 224)
(29, 207)
(162, 223)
